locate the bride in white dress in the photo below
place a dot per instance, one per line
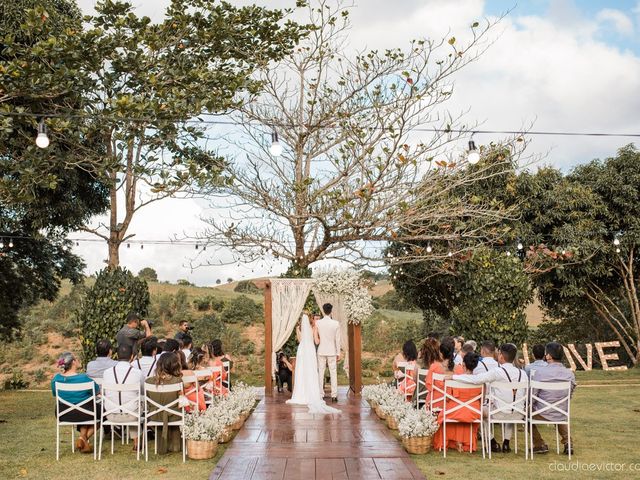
(306, 385)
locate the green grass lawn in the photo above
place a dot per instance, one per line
(605, 425)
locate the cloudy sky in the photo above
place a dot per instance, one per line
(560, 65)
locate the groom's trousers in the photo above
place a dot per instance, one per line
(323, 360)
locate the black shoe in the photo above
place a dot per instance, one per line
(505, 447)
(495, 446)
(334, 399)
(541, 449)
(568, 449)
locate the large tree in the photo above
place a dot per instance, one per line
(43, 193)
(357, 167)
(594, 218)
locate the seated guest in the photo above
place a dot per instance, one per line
(429, 353)
(95, 368)
(459, 341)
(68, 365)
(554, 371)
(168, 372)
(285, 370)
(193, 394)
(487, 357)
(538, 355)
(467, 348)
(171, 345)
(506, 372)
(198, 359)
(471, 345)
(216, 357)
(406, 382)
(443, 366)
(147, 362)
(187, 345)
(123, 373)
(161, 345)
(457, 434)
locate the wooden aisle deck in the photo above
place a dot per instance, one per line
(282, 442)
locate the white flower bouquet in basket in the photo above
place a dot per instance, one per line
(417, 429)
(202, 431)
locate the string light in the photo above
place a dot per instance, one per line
(449, 254)
(276, 148)
(616, 241)
(473, 156)
(42, 140)
(1, 243)
(429, 249)
(520, 246)
(10, 243)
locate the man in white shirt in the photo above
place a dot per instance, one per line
(148, 361)
(487, 358)
(506, 372)
(187, 343)
(123, 373)
(328, 349)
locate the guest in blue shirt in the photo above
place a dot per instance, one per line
(538, 355)
(97, 367)
(68, 365)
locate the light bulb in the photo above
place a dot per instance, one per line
(508, 254)
(616, 241)
(520, 246)
(42, 140)
(429, 249)
(617, 250)
(10, 243)
(473, 156)
(564, 252)
(1, 244)
(276, 148)
(450, 254)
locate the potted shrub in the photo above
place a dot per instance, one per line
(417, 429)
(202, 431)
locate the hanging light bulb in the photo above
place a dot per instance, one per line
(449, 254)
(128, 245)
(64, 247)
(276, 148)
(42, 140)
(508, 254)
(429, 249)
(616, 241)
(1, 243)
(77, 244)
(141, 246)
(564, 251)
(520, 246)
(473, 156)
(617, 250)
(196, 246)
(10, 243)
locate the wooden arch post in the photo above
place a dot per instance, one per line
(355, 346)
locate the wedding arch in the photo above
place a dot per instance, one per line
(284, 299)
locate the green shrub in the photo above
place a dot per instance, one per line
(161, 307)
(148, 274)
(40, 375)
(247, 348)
(181, 300)
(248, 287)
(115, 294)
(242, 310)
(202, 304)
(207, 328)
(16, 381)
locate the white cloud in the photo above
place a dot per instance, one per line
(621, 22)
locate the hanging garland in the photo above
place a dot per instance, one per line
(349, 284)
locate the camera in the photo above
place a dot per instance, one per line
(189, 328)
(150, 323)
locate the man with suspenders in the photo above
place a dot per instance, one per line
(123, 373)
(506, 372)
(148, 361)
(487, 361)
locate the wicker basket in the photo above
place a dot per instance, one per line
(238, 424)
(392, 423)
(245, 415)
(379, 412)
(417, 445)
(226, 435)
(201, 450)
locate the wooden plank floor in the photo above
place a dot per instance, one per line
(283, 442)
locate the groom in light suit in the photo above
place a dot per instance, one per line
(328, 349)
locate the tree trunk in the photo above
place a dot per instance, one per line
(114, 253)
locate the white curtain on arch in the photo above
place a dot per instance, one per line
(288, 297)
(337, 313)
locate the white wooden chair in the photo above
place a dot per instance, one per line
(131, 407)
(193, 380)
(204, 383)
(408, 374)
(420, 393)
(88, 407)
(227, 368)
(561, 406)
(503, 413)
(435, 405)
(152, 408)
(453, 404)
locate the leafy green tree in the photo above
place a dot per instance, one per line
(242, 310)
(595, 220)
(148, 274)
(247, 286)
(43, 193)
(491, 294)
(115, 294)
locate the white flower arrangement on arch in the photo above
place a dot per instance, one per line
(349, 284)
